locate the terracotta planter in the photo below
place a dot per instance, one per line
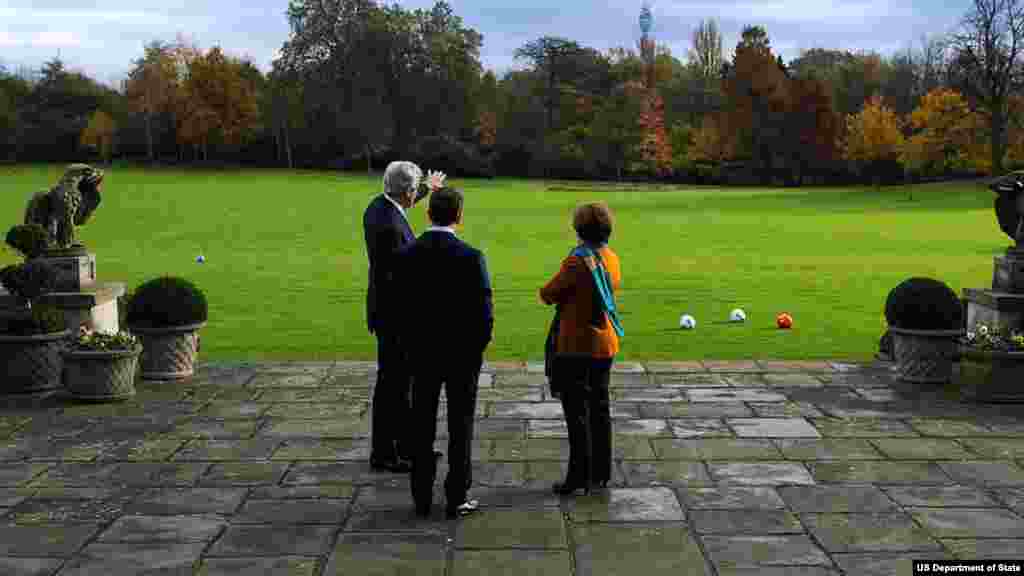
(101, 374)
(32, 364)
(925, 356)
(168, 353)
(991, 375)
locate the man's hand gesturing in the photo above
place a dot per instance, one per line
(435, 179)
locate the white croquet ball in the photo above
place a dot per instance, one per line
(200, 259)
(687, 322)
(737, 315)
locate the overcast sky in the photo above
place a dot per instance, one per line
(101, 38)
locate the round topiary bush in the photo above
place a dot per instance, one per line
(164, 302)
(924, 304)
(40, 320)
(29, 280)
(30, 240)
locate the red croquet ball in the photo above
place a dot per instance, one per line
(784, 321)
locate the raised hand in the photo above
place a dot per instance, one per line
(435, 179)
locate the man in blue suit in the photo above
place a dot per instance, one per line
(452, 319)
(386, 229)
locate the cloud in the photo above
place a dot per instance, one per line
(47, 39)
(83, 17)
(55, 39)
(796, 11)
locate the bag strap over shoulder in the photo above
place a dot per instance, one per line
(602, 282)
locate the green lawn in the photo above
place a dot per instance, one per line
(286, 266)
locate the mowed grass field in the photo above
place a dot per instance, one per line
(286, 266)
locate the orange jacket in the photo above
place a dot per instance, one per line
(573, 288)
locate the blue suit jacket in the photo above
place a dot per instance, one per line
(385, 231)
(452, 317)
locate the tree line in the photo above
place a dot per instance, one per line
(358, 84)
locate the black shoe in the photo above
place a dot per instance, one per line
(567, 489)
(398, 465)
(465, 509)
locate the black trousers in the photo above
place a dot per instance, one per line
(460, 380)
(585, 403)
(391, 409)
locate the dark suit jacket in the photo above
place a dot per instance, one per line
(452, 317)
(386, 231)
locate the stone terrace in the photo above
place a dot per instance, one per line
(721, 468)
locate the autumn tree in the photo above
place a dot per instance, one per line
(99, 133)
(873, 137)
(813, 129)
(756, 90)
(987, 63)
(655, 147)
(219, 104)
(152, 86)
(486, 126)
(943, 130)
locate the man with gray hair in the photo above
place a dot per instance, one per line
(387, 229)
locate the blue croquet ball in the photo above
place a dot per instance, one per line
(200, 259)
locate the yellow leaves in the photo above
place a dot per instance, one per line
(708, 145)
(945, 134)
(873, 134)
(152, 84)
(487, 128)
(99, 133)
(216, 98)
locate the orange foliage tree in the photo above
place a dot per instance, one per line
(944, 132)
(873, 136)
(815, 125)
(708, 149)
(757, 91)
(487, 128)
(655, 148)
(218, 103)
(152, 86)
(99, 133)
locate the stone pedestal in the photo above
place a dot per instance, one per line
(1008, 275)
(95, 306)
(74, 273)
(993, 308)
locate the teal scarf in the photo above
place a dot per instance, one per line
(593, 261)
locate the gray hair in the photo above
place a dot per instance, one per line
(401, 178)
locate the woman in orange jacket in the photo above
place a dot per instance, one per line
(583, 344)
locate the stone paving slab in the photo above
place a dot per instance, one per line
(662, 549)
(813, 468)
(284, 565)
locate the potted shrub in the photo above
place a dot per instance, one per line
(925, 319)
(166, 313)
(992, 364)
(31, 334)
(101, 365)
